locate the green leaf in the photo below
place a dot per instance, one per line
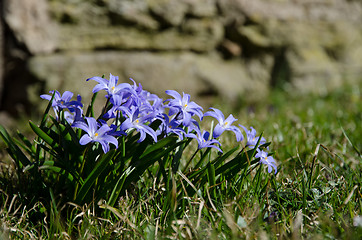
(50, 165)
(24, 147)
(211, 178)
(220, 159)
(202, 158)
(93, 176)
(118, 187)
(350, 142)
(90, 111)
(159, 145)
(211, 174)
(177, 156)
(13, 149)
(43, 135)
(30, 146)
(160, 152)
(46, 112)
(147, 160)
(217, 161)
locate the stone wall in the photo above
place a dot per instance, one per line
(1, 52)
(230, 48)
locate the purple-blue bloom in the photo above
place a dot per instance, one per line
(63, 101)
(95, 134)
(204, 141)
(267, 160)
(114, 129)
(251, 137)
(110, 85)
(184, 106)
(76, 116)
(224, 124)
(135, 120)
(116, 107)
(171, 125)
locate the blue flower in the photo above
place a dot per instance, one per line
(139, 122)
(117, 102)
(63, 101)
(251, 137)
(224, 124)
(114, 129)
(183, 106)
(110, 85)
(95, 134)
(172, 125)
(267, 160)
(77, 116)
(204, 141)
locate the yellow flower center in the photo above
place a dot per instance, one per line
(113, 88)
(96, 134)
(137, 121)
(185, 106)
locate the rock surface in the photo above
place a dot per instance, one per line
(230, 48)
(30, 22)
(157, 72)
(1, 53)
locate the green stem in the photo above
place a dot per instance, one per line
(81, 171)
(104, 109)
(192, 157)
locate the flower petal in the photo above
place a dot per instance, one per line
(92, 125)
(103, 129)
(85, 139)
(174, 94)
(218, 130)
(67, 95)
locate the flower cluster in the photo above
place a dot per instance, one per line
(129, 107)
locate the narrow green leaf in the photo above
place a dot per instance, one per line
(90, 111)
(28, 167)
(211, 178)
(220, 159)
(202, 158)
(211, 174)
(350, 142)
(147, 160)
(159, 145)
(49, 165)
(26, 141)
(93, 176)
(176, 158)
(13, 149)
(23, 146)
(118, 187)
(159, 153)
(43, 135)
(45, 115)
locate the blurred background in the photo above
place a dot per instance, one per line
(230, 50)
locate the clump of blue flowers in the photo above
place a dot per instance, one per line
(83, 157)
(129, 107)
